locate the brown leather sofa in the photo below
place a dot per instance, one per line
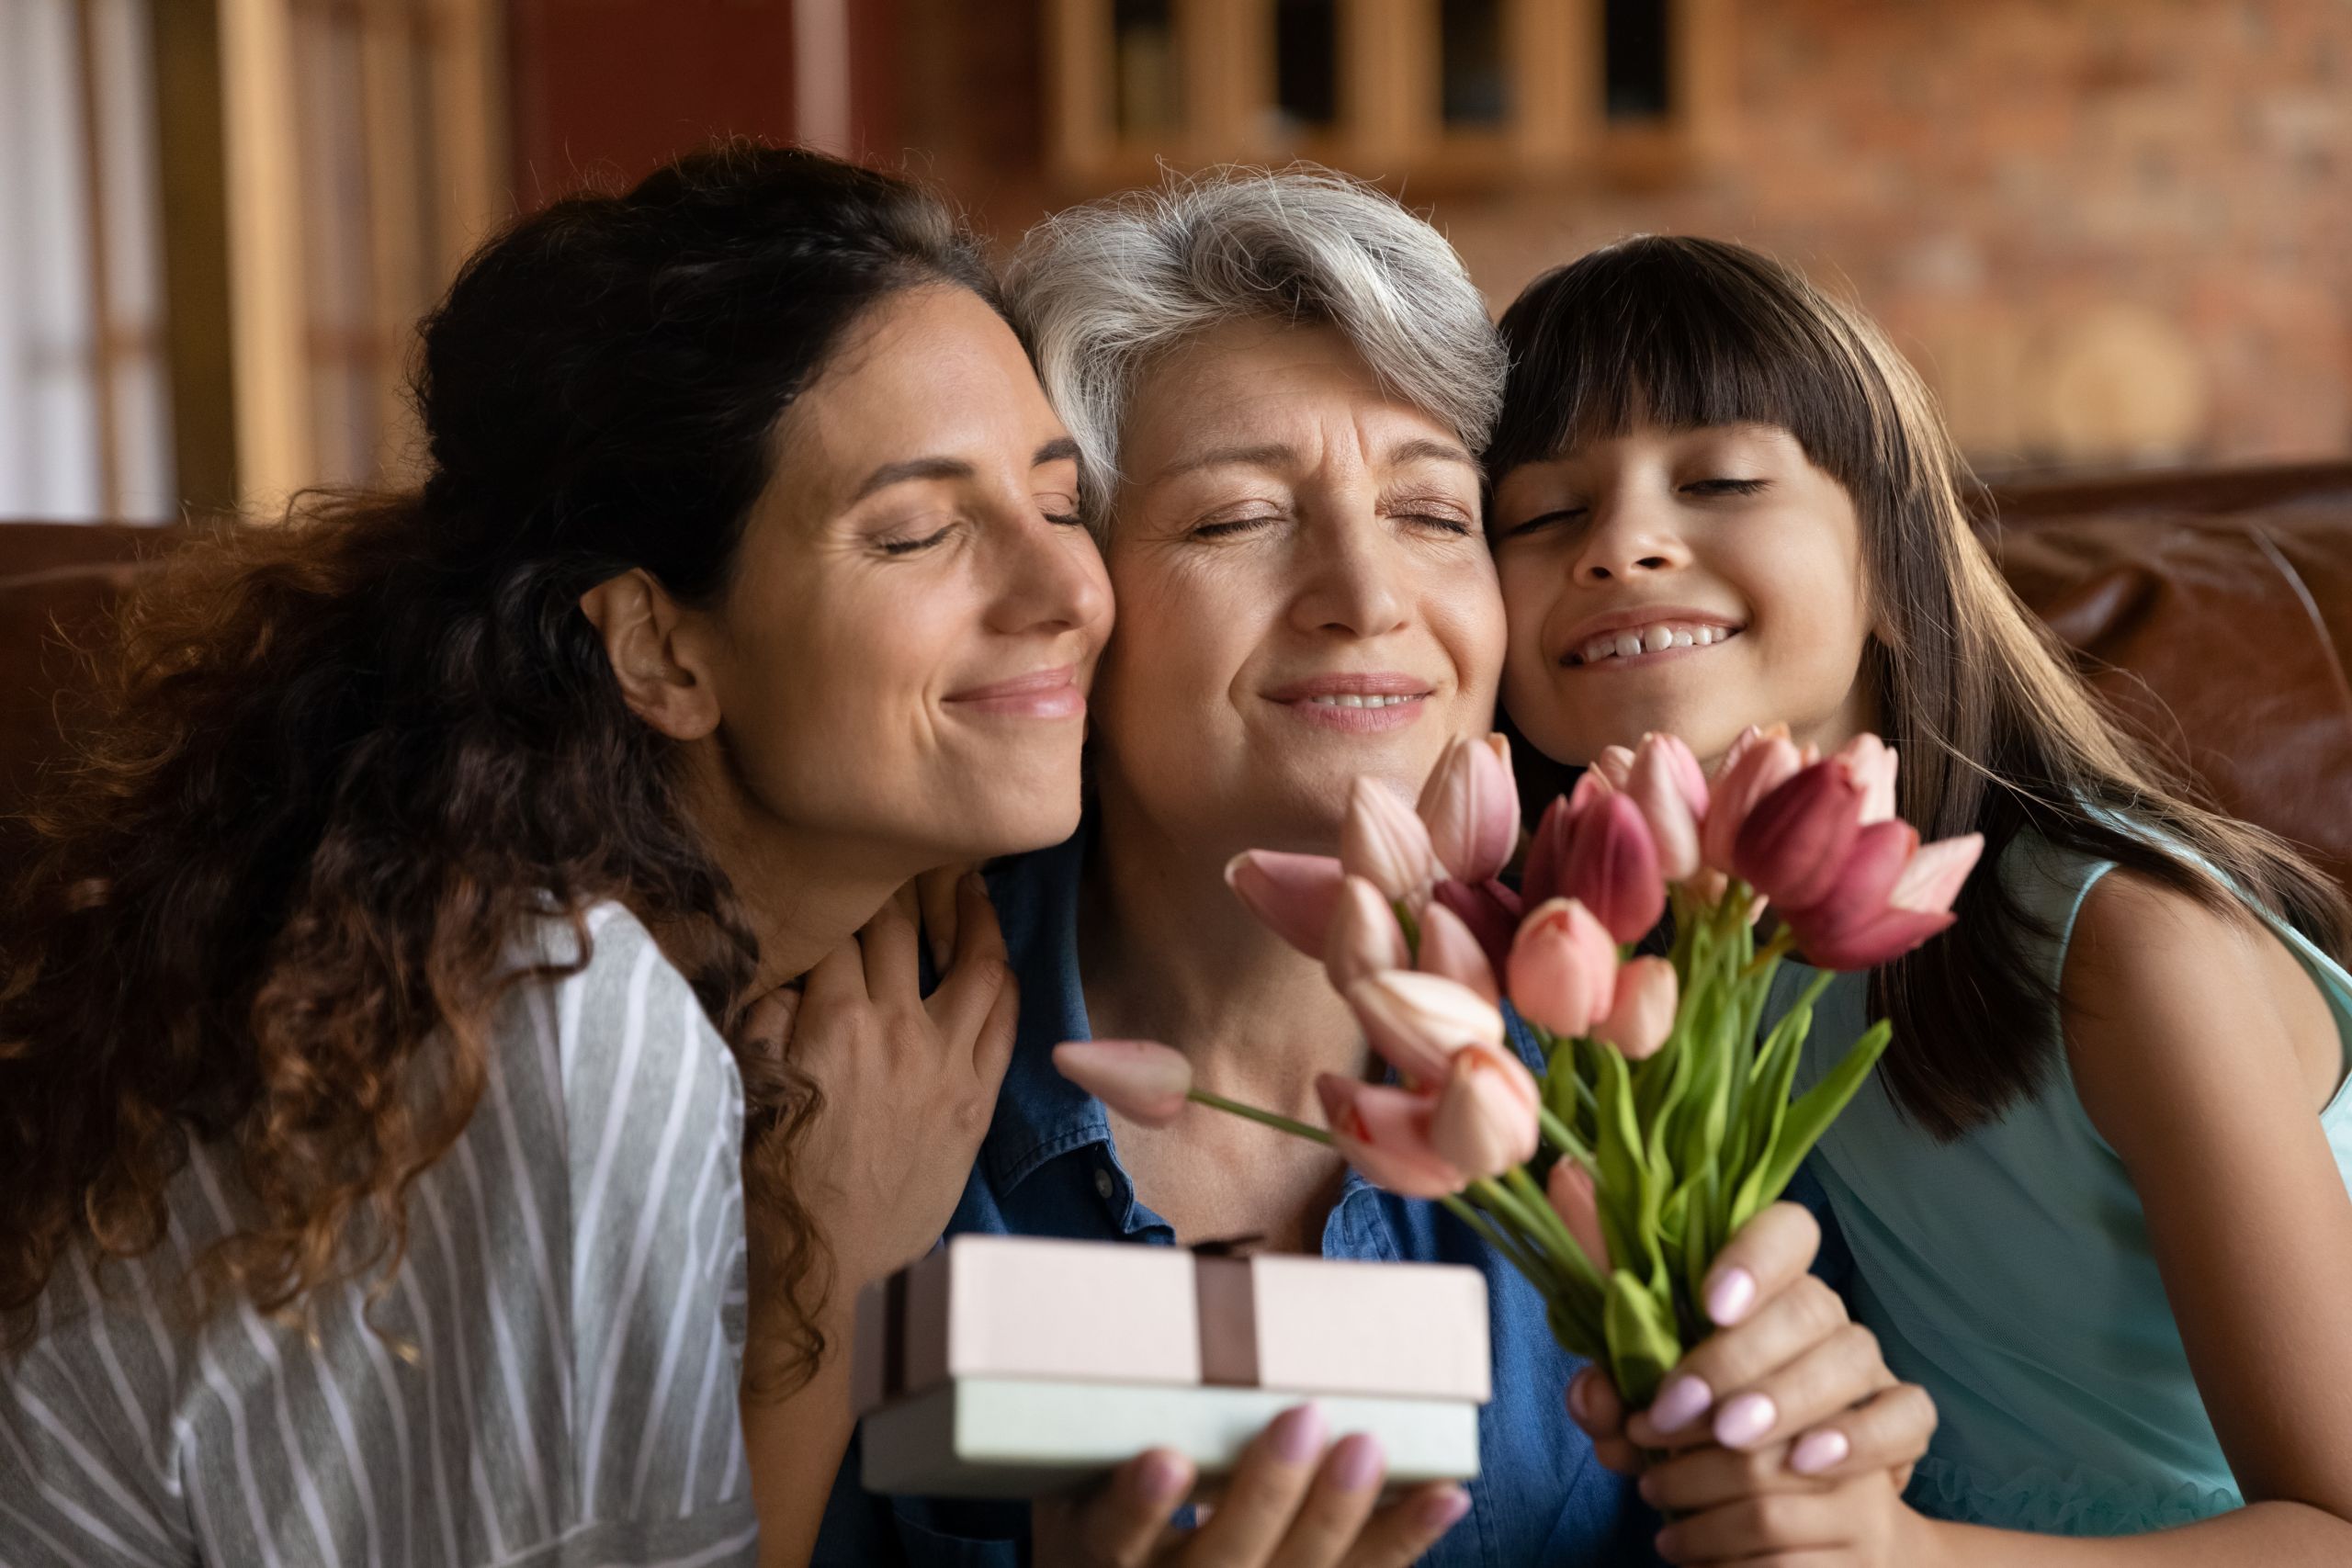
(2213, 606)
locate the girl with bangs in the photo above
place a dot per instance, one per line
(2096, 1189)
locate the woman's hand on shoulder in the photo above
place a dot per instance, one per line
(1291, 1503)
(1787, 1392)
(907, 1085)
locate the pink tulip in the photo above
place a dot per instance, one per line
(1547, 852)
(1471, 806)
(1418, 1021)
(1563, 968)
(1891, 894)
(1642, 1015)
(1449, 948)
(1294, 896)
(1871, 762)
(1365, 937)
(1382, 842)
(1141, 1079)
(1793, 843)
(1660, 786)
(1386, 1134)
(1759, 762)
(1490, 909)
(1611, 868)
(1579, 1206)
(1487, 1114)
(1615, 765)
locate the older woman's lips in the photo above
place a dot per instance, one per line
(1356, 705)
(1045, 693)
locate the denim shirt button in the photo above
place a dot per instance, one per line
(1104, 1184)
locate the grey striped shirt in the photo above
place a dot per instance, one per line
(559, 1383)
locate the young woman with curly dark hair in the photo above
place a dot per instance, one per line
(374, 1185)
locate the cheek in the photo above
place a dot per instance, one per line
(1472, 626)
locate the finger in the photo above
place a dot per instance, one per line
(1832, 1377)
(837, 981)
(966, 992)
(1759, 1527)
(1347, 1483)
(992, 1050)
(935, 892)
(1594, 1402)
(1888, 1431)
(1403, 1531)
(1710, 1475)
(893, 973)
(1120, 1525)
(1263, 1492)
(1732, 1361)
(1770, 1253)
(766, 1027)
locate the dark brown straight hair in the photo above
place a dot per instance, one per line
(1997, 732)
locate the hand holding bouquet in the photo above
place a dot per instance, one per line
(1662, 1121)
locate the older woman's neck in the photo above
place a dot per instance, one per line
(1169, 953)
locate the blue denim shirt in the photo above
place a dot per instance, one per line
(1049, 1167)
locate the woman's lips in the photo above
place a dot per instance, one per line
(1355, 704)
(1042, 693)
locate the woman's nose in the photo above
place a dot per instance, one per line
(1630, 537)
(1351, 582)
(1051, 579)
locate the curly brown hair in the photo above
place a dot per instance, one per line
(334, 766)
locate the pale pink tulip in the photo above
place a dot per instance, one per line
(1642, 1015)
(1573, 1199)
(1386, 1134)
(1490, 909)
(1611, 868)
(1471, 806)
(1891, 894)
(1871, 762)
(1615, 765)
(1682, 765)
(1658, 787)
(1365, 937)
(1451, 949)
(1487, 1114)
(1418, 1021)
(1384, 843)
(1563, 968)
(1794, 844)
(1759, 762)
(1294, 896)
(1141, 1079)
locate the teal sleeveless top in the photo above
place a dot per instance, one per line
(2009, 1272)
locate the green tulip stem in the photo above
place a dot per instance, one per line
(1533, 1266)
(1252, 1113)
(1565, 1139)
(1554, 1229)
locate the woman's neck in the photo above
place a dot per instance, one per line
(1169, 953)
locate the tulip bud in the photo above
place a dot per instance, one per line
(1449, 948)
(1870, 763)
(1382, 842)
(1615, 765)
(1418, 1021)
(1759, 762)
(1471, 806)
(1294, 896)
(1573, 1199)
(1487, 1114)
(1657, 787)
(1611, 868)
(1794, 841)
(1539, 878)
(1563, 968)
(1364, 936)
(1681, 765)
(1490, 910)
(1141, 1079)
(1893, 895)
(1641, 1016)
(1385, 1133)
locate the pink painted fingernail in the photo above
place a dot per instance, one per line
(1162, 1477)
(1729, 1296)
(1357, 1461)
(1298, 1434)
(1680, 1403)
(1743, 1420)
(1445, 1511)
(1818, 1452)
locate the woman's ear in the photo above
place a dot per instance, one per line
(655, 656)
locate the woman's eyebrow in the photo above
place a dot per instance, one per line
(1422, 449)
(1266, 455)
(890, 474)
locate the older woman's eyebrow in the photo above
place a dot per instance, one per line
(1272, 454)
(1423, 450)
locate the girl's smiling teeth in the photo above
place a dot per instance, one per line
(1656, 638)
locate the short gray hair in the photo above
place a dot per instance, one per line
(1100, 290)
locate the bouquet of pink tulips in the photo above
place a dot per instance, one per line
(1663, 1120)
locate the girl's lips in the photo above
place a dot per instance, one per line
(1043, 694)
(1682, 644)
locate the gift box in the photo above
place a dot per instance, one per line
(1013, 1366)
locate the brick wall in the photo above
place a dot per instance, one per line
(2105, 229)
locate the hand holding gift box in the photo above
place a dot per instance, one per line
(1015, 1366)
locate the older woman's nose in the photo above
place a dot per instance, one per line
(1628, 539)
(1352, 583)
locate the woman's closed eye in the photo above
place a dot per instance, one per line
(914, 541)
(1233, 527)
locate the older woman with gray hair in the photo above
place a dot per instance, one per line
(1279, 385)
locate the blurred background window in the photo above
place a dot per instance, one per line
(1473, 89)
(1307, 68)
(1144, 69)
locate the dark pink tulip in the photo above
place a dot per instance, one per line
(1386, 1134)
(1796, 839)
(1759, 762)
(1611, 868)
(1141, 1079)
(1546, 852)
(1893, 895)
(1490, 909)
(1294, 895)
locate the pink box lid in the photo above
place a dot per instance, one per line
(1111, 1311)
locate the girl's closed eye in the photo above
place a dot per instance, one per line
(1715, 487)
